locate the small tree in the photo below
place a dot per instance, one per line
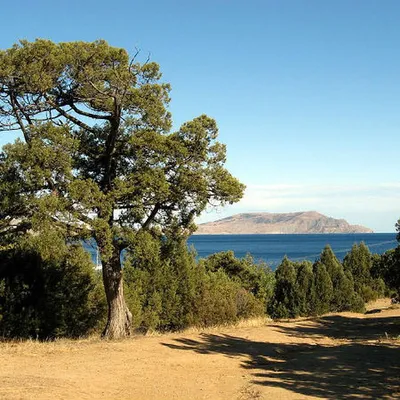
(387, 268)
(285, 302)
(341, 284)
(358, 262)
(258, 279)
(323, 289)
(161, 277)
(47, 298)
(305, 291)
(98, 157)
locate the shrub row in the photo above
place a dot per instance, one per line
(166, 288)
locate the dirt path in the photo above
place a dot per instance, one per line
(341, 356)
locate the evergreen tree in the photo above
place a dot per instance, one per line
(284, 303)
(323, 289)
(160, 279)
(305, 291)
(358, 262)
(258, 279)
(166, 289)
(47, 298)
(98, 158)
(387, 268)
(342, 285)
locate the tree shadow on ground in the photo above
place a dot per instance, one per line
(341, 327)
(343, 370)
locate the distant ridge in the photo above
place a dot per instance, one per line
(279, 223)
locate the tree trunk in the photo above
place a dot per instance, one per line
(119, 320)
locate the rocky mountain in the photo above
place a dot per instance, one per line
(297, 222)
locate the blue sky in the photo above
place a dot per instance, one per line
(306, 93)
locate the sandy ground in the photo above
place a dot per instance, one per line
(338, 356)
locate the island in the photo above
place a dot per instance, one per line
(279, 223)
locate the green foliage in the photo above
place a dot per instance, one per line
(357, 303)
(166, 289)
(48, 298)
(342, 285)
(323, 289)
(305, 291)
(343, 294)
(221, 300)
(159, 283)
(387, 268)
(359, 262)
(257, 279)
(106, 143)
(284, 303)
(99, 157)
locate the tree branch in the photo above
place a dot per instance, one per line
(26, 116)
(19, 119)
(87, 114)
(152, 215)
(69, 116)
(98, 90)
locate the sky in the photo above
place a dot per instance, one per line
(306, 93)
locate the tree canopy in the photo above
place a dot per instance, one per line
(98, 157)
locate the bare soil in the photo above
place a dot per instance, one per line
(338, 356)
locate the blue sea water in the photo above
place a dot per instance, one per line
(272, 248)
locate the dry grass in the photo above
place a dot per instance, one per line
(255, 322)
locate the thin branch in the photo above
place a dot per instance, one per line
(9, 127)
(26, 116)
(151, 217)
(19, 119)
(98, 90)
(87, 114)
(69, 116)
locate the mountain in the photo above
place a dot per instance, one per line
(297, 222)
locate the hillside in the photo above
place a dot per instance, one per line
(264, 223)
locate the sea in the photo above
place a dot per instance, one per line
(272, 248)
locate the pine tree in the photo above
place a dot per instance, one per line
(305, 288)
(323, 289)
(98, 157)
(342, 286)
(358, 262)
(284, 303)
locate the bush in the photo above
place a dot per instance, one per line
(323, 290)
(221, 300)
(160, 278)
(216, 300)
(342, 286)
(285, 301)
(257, 279)
(305, 291)
(387, 268)
(45, 299)
(367, 293)
(357, 303)
(359, 263)
(166, 289)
